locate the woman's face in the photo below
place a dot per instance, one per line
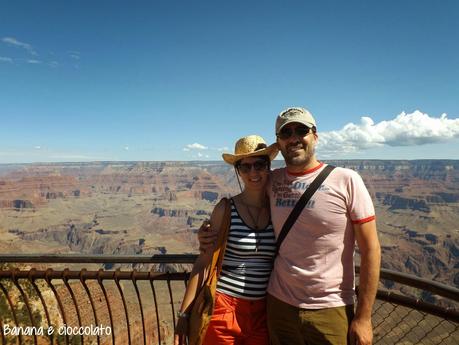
(254, 172)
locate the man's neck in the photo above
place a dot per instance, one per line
(311, 164)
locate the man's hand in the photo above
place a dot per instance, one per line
(361, 332)
(207, 237)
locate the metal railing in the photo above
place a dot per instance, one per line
(41, 305)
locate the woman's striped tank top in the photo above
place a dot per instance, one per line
(248, 259)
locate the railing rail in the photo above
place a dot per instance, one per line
(139, 305)
(403, 278)
(99, 259)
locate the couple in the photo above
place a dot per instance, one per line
(307, 295)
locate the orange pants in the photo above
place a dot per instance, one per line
(237, 321)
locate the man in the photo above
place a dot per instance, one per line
(311, 289)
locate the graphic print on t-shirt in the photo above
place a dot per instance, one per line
(286, 194)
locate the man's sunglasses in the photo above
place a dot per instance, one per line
(245, 168)
(300, 131)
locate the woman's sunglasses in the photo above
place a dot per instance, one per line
(300, 131)
(245, 168)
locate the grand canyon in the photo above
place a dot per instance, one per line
(151, 208)
(156, 207)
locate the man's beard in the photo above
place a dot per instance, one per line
(303, 158)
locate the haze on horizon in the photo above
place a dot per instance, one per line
(170, 81)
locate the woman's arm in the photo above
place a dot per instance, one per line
(198, 275)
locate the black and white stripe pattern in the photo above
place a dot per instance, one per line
(248, 259)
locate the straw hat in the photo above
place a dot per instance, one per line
(250, 146)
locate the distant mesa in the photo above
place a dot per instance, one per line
(16, 204)
(209, 196)
(400, 203)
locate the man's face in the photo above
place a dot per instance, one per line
(298, 149)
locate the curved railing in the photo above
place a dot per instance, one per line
(137, 306)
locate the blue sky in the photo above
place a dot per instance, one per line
(176, 80)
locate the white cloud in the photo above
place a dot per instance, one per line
(6, 59)
(196, 146)
(126, 148)
(74, 55)
(412, 129)
(14, 42)
(43, 154)
(197, 151)
(73, 157)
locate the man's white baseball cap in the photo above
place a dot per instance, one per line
(290, 115)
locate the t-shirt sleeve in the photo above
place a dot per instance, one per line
(360, 205)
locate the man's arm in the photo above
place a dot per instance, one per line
(207, 237)
(361, 331)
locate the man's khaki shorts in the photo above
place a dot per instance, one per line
(290, 325)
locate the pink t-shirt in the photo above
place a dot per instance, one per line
(315, 265)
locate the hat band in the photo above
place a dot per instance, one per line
(261, 146)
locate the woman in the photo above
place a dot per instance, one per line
(239, 315)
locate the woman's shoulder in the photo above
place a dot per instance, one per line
(216, 219)
(223, 203)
